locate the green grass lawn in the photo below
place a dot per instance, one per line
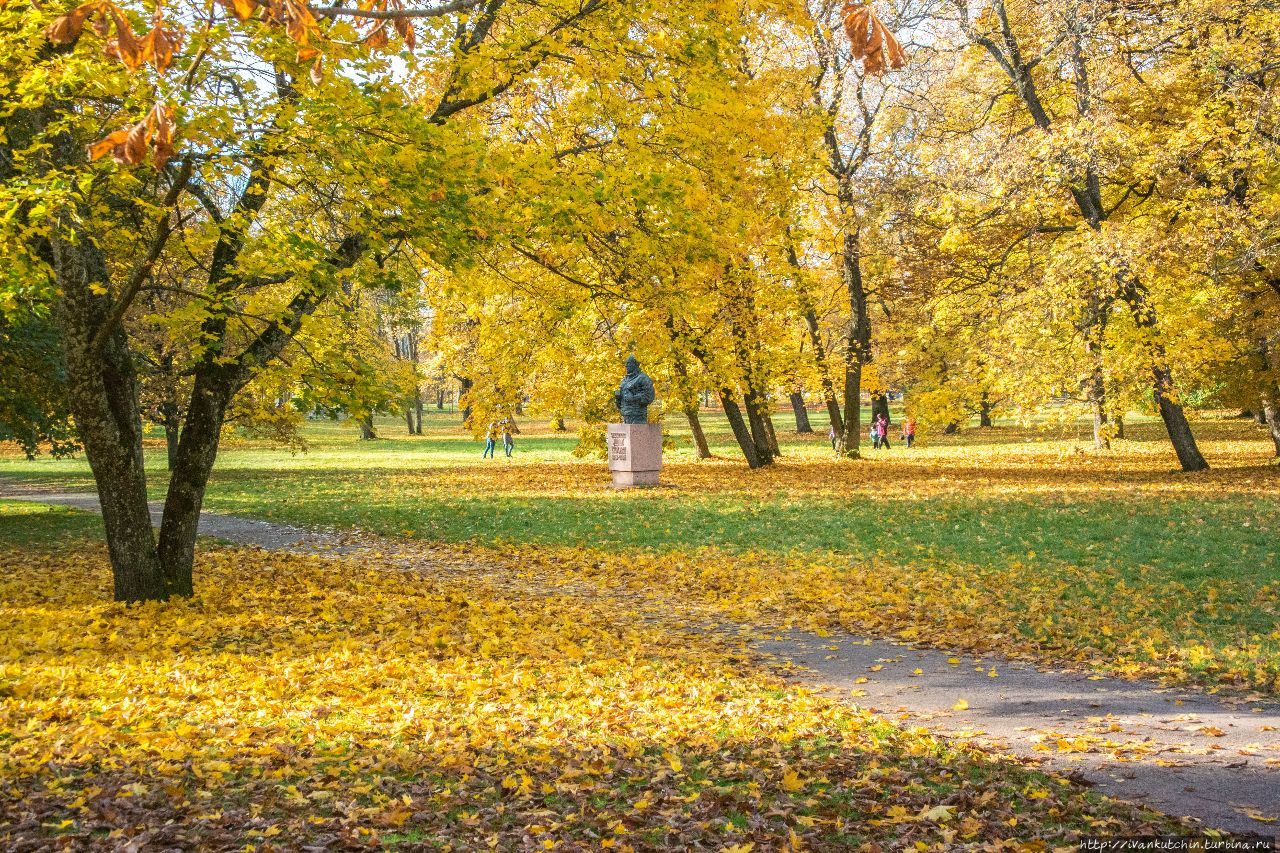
(1002, 503)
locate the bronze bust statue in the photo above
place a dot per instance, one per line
(635, 395)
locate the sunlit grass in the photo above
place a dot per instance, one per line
(1010, 505)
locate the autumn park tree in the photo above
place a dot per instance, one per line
(235, 214)
(292, 188)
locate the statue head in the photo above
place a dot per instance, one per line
(633, 365)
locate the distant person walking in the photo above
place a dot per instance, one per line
(909, 430)
(490, 439)
(508, 440)
(832, 437)
(882, 429)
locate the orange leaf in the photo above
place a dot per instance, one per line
(242, 9)
(299, 23)
(107, 143)
(66, 29)
(405, 29)
(125, 45)
(162, 144)
(159, 46)
(134, 149)
(377, 38)
(870, 40)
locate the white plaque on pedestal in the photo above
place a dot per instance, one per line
(635, 454)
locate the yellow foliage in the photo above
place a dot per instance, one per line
(304, 700)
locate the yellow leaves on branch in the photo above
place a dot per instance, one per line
(870, 40)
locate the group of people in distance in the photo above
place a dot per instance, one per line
(880, 432)
(879, 435)
(499, 428)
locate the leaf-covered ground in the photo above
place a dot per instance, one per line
(1022, 541)
(300, 701)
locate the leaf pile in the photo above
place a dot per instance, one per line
(304, 701)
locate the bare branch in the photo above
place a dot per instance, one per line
(396, 14)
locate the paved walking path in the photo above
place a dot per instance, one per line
(1184, 752)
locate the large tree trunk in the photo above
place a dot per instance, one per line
(858, 341)
(740, 430)
(1175, 421)
(104, 399)
(464, 386)
(197, 451)
(753, 397)
(172, 430)
(759, 432)
(695, 427)
(984, 410)
(771, 433)
(1272, 413)
(408, 419)
(852, 435)
(802, 414)
(880, 406)
(1162, 387)
(824, 372)
(1097, 395)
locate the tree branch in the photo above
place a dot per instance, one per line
(143, 270)
(396, 14)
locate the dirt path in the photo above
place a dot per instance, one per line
(1184, 752)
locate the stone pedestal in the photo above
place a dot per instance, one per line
(635, 454)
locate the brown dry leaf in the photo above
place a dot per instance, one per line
(405, 30)
(870, 40)
(107, 144)
(125, 46)
(162, 144)
(377, 38)
(159, 46)
(134, 149)
(1210, 731)
(299, 23)
(317, 71)
(66, 29)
